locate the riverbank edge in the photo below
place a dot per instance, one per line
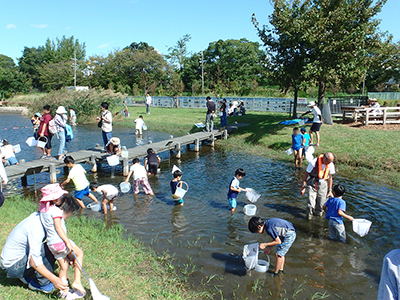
(120, 265)
(23, 111)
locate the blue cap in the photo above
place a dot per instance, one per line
(303, 129)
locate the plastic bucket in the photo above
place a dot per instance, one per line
(361, 226)
(175, 168)
(262, 265)
(113, 160)
(125, 187)
(289, 151)
(31, 142)
(301, 123)
(41, 143)
(17, 148)
(94, 206)
(250, 209)
(180, 192)
(144, 127)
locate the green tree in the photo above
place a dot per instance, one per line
(30, 63)
(64, 49)
(178, 53)
(12, 81)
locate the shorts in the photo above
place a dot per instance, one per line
(287, 243)
(60, 250)
(179, 201)
(232, 202)
(138, 131)
(315, 127)
(111, 197)
(297, 148)
(153, 168)
(337, 232)
(79, 194)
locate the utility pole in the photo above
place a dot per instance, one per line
(202, 73)
(75, 66)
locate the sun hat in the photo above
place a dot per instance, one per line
(50, 193)
(61, 110)
(38, 115)
(373, 100)
(311, 103)
(115, 141)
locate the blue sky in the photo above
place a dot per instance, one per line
(105, 25)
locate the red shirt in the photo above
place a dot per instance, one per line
(45, 119)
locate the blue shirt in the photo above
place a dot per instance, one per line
(235, 184)
(333, 205)
(296, 139)
(276, 227)
(173, 185)
(306, 136)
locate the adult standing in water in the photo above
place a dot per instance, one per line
(61, 120)
(210, 114)
(317, 122)
(105, 123)
(317, 181)
(44, 133)
(148, 103)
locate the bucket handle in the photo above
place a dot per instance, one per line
(41, 137)
(262, 251)
(187, 186)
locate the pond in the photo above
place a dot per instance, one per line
(206, 241)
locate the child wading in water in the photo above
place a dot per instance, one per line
(56, 206)
(282, 233)
(109, 193)
(139, 125)
(235, 189)
(335, 211)
(139, 177)
(78, 177)
(297, 146)
(176, 182)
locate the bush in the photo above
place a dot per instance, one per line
(85, 103)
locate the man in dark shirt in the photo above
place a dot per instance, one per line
(210, 114)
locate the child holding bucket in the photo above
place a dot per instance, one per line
(109, 193)
(139, 177)
(297, 146)
(56, 206)
(335, 211)
(174, 184)
(282, 233)
(78, 176)
(235, 189)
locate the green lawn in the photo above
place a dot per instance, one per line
(121, 267)
(370, 154)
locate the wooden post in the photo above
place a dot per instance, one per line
(178, 150)
(212, 139)
(384, 116)
(112, 171)
(367, 117)
(24, 181)
(93, 163)
(21, 161)
(225, 134)
(197, 145)
(53, 173)
(344, 114)
(125, 163)
(188, 147)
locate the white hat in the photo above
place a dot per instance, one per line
(61, 110)
(311, 103)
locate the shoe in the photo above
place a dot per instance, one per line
(75, 294)
(44, 289)
(43, 157)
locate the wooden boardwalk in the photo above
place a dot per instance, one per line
(94, 155)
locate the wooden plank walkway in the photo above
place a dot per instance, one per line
(95, 155)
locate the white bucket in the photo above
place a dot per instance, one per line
(125, 187)
(289, 151)
(175, 168)
(301, 123)
(180, 192)
(31, 142)
(94, 206)
(144, 127)
(125, 154)
(361, 226)
(17, 148)
(113, 160)
(262, 265)
(250, 209)
(41, 144)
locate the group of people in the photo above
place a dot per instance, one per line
(224, 111)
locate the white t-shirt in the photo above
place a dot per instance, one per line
(109, 190)
(78, 177)
(316, 112)
(48, 218)
(235, 183)
(106, 127)
(138, 171)
(148, 100)
(312, 164)
(139, 123)
(7, 151)
(72, 113)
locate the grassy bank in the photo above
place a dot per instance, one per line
(122, 268)
(366, 153)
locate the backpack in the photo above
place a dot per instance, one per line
(52, 127)
(69, 134)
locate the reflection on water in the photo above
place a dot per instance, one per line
(205, 233)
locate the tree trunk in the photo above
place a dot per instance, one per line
(321, 92)
(295, 102)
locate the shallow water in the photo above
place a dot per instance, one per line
(204, 234)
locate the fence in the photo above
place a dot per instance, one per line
(336, 104)
(385, 96)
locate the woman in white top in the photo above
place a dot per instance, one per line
(317, 122)
(8, 154)
(61, 120)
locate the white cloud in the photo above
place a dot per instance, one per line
(69, 27)
(103, 46)
(39, 25)
(11, 26)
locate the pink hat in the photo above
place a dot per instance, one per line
(50, 193)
